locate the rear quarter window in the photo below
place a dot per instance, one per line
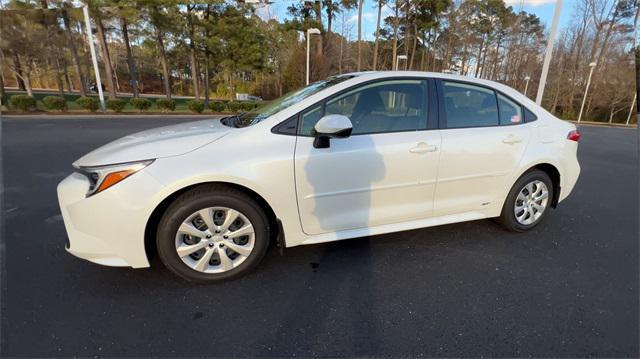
(510, 111)
(529, 116)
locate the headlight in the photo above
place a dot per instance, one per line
(103, 177)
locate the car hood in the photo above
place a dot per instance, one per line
(156, 143)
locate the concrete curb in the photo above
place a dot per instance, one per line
(604, 124)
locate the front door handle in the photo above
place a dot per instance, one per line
(511, 139)
(423, 147)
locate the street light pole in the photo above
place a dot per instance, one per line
(85, 11)
(586, 90)
(401, 57)
(547, 56)
(309, 32)
(633, 103)
(526, 85)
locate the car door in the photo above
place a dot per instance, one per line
(483, 140)
(385, 172)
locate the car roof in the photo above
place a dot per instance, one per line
(386, 74)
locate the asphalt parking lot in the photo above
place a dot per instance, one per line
(568, 288)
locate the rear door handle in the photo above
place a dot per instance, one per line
(423, 147)
(511, 139)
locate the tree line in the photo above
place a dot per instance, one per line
(215, 49)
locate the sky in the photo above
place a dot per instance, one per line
(542, 8)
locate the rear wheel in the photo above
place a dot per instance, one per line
(212, 233)
(528, 202)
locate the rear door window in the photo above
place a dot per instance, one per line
(469, 106)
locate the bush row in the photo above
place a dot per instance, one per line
(197, 106)
(232, 106)
(116, 105)
(27, 103)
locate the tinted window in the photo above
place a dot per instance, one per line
(309, 119)
(469, 106)
(288, 127)
(529, 116)
(510, 112)
(388, 106)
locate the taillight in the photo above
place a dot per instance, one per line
(574, 135)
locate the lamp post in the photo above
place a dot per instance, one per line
(310, 31)
(87, 22)
(526, 85)
(547, 55)
(586, 90)
(401, 57)
(633, 103)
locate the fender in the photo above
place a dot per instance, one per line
(526, 167)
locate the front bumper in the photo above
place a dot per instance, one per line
(108, 228)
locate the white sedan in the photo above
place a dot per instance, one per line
(350, 156)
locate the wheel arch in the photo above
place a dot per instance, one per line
(154, 219)
(553, 173)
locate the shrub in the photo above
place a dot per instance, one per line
(116, 104)
(23, 102)
(234, 106)
(216, 106)
(55, 103)
(248, 106)
(88, 103)
(166, 105)
(142, 104)
(196, 106)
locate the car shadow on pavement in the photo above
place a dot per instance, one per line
(338, 288)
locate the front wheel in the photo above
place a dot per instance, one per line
(212, 233)
(528, 202)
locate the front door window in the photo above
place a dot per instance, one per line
(382, 107)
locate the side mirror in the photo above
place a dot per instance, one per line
(331, 126)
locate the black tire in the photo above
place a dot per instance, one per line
(206, 196)
(508, 218)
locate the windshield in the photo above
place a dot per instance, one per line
(258, 114)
